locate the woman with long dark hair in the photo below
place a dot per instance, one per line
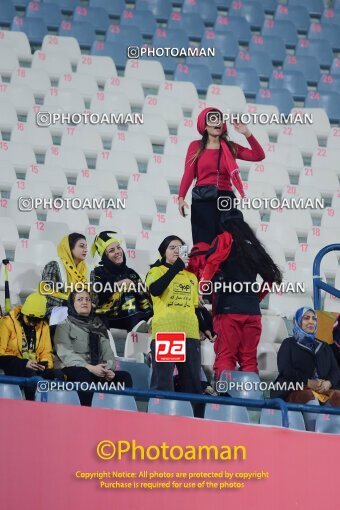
(234, 260)
(212, 162)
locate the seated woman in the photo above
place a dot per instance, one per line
(304, 359)
(122, 302)
(69, 269)
(25, 343)
(83, 346)
(174, 292)
(336, 340)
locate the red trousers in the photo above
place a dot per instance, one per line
(238, 336)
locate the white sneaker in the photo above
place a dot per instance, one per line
(141, 327)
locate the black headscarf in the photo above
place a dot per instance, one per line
(91, 324)
(163, 247)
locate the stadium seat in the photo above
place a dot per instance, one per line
(22, 188)
(8, 175)
(241, 378)
(117, 402)
(8, 116)
(267, 360)
(191, 23)
(107, 102)
(128, 36)
(76, 219)
(83, 83)
(67, 100)
(136, 344)
(300, 219)
(66, 6)
(293, 191)
(36, 79)
(170, 407)
(238, 26)
(20, 96)
(215, 64)
(222, 412)
(269, 6)
(226, 42)
(297, 272)
(140, 373)
(207, 11)
(327, 32)
(161, 9)
(11, 391)
(323, 236)
(23, 277)
(54, 64)
(320, 123)
(281, 98)
(82, 137)
(268, 172)
(293, 81)
(49, 13)
(114, 9)
(121, 164)
(168, 108)
(59, 397)
(8, 61)
(175, 146)
(114, 50)
(302, 136)
(246, 79)
(187, 128)
(38, 138)
(306, 253)
(7, 13)
(320, 49)
(136, 203)
(329, 101)
(103, 180)
(101, 68)
(327, 424)
(171, 167)
(148, 73)
(333, 139)
(34, 28)
(130, 87)
(286, 305)
(138, 144)
(127, 221)
(154, 126)
(274, 329)
(281, 28)
(35, 252)
(253, 12)
(325, 179)
(272, 45)
(164, 223)
(330, 218)
(144, 20)
(155, 186)
(184, 92)
(149, 241)
(48, 231)
(274, 248)
(97, 17)
(308, 65)
(267, 233)
(273, 418)
(329, 83)
(80, 30)
(258, 60)
(331, 303)
(67, 47)
(297, 14)
(16, 42)
(71, 159)
(314, 7)
(54, 176)
(207, 353)
(9, 233)
(22, 219)
(230, 98)
(171, 37)
(198, 74)
(331, 15)
(326, 159)
(19, 154)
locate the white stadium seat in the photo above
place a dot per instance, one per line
(267, 172)
(187, 128)
(121, 164)
(67, 100)
(168, 108)
(230, 97)
(153, 186)
(104, 180)
(148, 73)
(154, 126)
(267, 360)
(130, 87)
(107, 102)
(297, 272)
(83, 137)
(300, 219)
(21, 188)
(19, 154)
(331, 304)
(252, 217)
(9, 233)
(176, 146)
(303, 136)
(23, 277)
(35, 251)
(22, 219)
(17, 42)
(37, 79)
(274, 329)
(282, 233)
(183, 91)
(82, 83)
(150, 241)
(76, 219)
(68, 46)
(7, 176)
(322, 236)
(137, 344)
(8, 61)
(177, 225)
(287, 304)
(326, 159)
(320, 124)
(38, 137)
(138, 144)
(70, 159)
(170, 167)
(8, 116)
(271, 128)
(289, 155)
(49, 231)
(324, 179)
(19, 96)
(37, 116)
(331, 217)
(333, 139)
(306, 254)
(128, 222)
(54, 176)
(53, 63)
(135, 202)
(301, 191)
(101, 68)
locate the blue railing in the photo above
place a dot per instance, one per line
(275, 403)
(318, 284)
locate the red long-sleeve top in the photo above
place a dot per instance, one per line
(205, 168)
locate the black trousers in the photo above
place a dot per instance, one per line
(81, 374)
(12, 365)
(206, 218)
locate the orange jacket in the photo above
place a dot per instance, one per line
(11, 338)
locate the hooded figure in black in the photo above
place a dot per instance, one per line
(122, 299)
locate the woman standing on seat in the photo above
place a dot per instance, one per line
(304, 359)
(234, 260)
(212, 162)
(69, 270)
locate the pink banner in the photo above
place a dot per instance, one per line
(52, 458)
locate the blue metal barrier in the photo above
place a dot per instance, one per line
(318, 284)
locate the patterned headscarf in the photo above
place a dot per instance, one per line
(308, 340)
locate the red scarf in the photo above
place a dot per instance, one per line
(229, 160)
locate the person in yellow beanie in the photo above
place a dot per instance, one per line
(25, 343)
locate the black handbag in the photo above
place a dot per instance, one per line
(209, 191)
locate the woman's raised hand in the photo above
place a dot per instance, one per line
(241, 128)
(181, 205)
